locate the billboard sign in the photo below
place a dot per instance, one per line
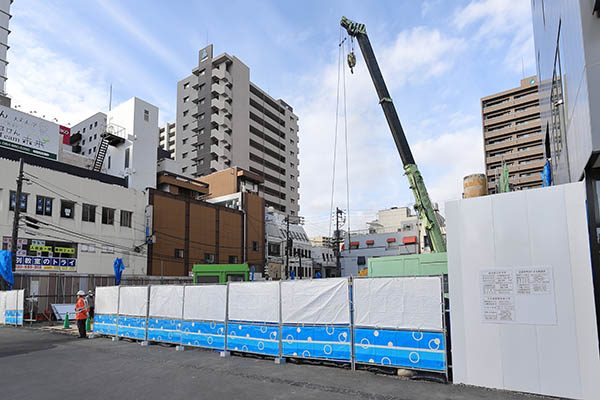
(23, 132)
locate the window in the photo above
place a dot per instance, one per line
(186, 112)
(91, 125)
(291, 153)
(108, 216)
(43, 206)
(108, 162)
(292, 188)
(292, 177)
(209, 258)
(254, 245)
(186, 99)
(201, 116)
(274, 249)
(201, 161)
(95, 123)
(184, 155)
(88, 213)
(146, 115)
(202, 72)
(184, 127)
(233, 259)
(22, 203)
(94, 149)
(178, 253)
(184, 170)
(127, 157)
(202, 100)
(83, 130)
(184, 141)
(360, 260)
(292, 165)
(126, 217)
(67, 209)
(90, 151)
(95, 136)
(186, 85)
(201, 146)
(82, 142)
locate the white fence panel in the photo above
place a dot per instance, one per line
(206, 302)
(399, 303)
(166, 301)
(133, 301)
(254, 301)
(315, 301)
(107, 300)
(2, 307)
(11, 300)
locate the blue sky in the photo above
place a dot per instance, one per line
(439, 57)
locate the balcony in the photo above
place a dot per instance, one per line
(222, 104)
(75, 138)
(220, 120)
(222, 74)
(221, 89)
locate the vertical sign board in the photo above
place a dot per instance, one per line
(23, 132)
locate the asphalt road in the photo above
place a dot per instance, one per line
(41, 365)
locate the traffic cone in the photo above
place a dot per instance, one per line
(88, 324)
(66, 324)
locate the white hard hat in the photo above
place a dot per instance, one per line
(81, 293)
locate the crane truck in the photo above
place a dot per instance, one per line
(423, 204)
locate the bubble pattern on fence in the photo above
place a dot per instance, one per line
(303, 319)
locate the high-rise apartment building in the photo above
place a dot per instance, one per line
(166, 138)
(224, 120)
(4, 31)
(512, 134)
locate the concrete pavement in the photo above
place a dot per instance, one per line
(37, 364)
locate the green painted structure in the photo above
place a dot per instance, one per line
(409, 265)
(220, 273)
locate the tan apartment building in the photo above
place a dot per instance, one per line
(512, 133)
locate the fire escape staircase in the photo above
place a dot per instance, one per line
(108, 138)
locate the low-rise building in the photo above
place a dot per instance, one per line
(281, 263)
(324, 261)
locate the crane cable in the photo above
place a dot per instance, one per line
(341, 77)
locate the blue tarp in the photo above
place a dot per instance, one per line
(547, 175)
(119, 267)
(6, 267)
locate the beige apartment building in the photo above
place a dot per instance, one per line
(512, 133)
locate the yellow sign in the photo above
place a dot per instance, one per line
(40, 248)
(64, 250)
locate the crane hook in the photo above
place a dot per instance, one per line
(351, 61)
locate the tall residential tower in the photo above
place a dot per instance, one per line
(512, 134)
(224, 120)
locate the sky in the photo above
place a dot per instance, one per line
(438, 57)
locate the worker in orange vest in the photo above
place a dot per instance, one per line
(81, 313)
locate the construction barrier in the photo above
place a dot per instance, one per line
(396, 322)
(11, 307)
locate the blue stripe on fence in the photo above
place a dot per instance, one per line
(411, 349)
(203, 334)
(327, 342)
(259, 338)
(132, 327)
(105, 324)
(164, 330)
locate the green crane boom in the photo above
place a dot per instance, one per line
(422, 202)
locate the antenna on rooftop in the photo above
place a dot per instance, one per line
(110, 98)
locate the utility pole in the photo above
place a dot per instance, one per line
(17, 215)
(287, 247)
(338, 264)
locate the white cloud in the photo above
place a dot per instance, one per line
(375, 170)
(501, 24)
(55, 87)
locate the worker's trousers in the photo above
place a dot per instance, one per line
(81, 327)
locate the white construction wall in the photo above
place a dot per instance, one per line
(521, 296)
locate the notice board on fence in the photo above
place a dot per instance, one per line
(107, 300)
(315, 301)
(205, 303)
(254, 301)
(166, 301)
(133, 300)
(399, 303)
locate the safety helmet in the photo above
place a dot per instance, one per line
(81, 293)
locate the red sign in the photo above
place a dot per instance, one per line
(66, 132)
